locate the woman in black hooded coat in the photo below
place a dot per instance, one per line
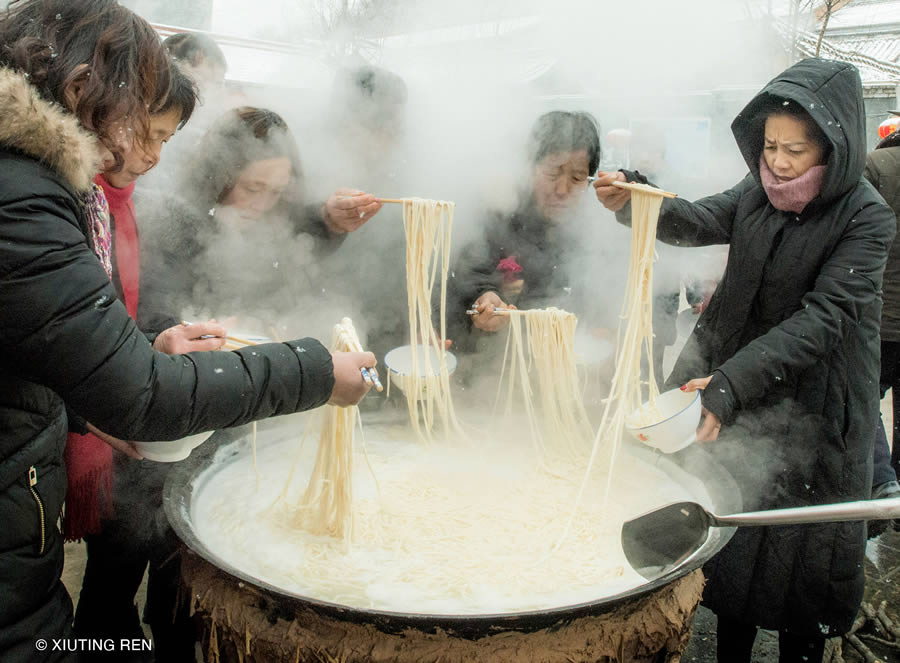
(790, 345)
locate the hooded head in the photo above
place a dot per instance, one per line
(828, 92)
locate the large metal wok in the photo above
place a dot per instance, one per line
(690, 466)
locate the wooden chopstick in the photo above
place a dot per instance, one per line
(380, 200)
(233, 346)
(242, 341)
(236, 339)
(644, 188)
(497, 310)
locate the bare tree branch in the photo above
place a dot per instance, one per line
(823, 13)
(350, 27)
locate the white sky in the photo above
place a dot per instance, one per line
(287, 19)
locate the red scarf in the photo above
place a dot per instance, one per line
(125, 244)
(88, 458)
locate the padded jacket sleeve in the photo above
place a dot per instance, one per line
(702, 223)
(64, 327)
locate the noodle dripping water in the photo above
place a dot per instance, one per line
(326, 507)
(547, 351)
(428, 225)
(450, 530)
(626, 391)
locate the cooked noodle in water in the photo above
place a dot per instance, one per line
(448, 530)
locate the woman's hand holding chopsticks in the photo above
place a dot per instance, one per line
(194, 337)
(612, 197)
(484, 318)
(349, 386)
(348, 209)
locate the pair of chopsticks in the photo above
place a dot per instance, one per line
(234, 342)
(380, 200)
(370, 375)
(474, 311)
(383, 200)
(637, 186)
(644, 188)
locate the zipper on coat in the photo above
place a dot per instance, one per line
(32, 482)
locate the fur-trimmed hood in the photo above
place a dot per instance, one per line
(42, 130)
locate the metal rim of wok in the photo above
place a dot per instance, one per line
(223, 446)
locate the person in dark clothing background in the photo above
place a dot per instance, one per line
(243, 178)
(236, 234)
(200, 56)
(362, 143)
(883, 171)
(787, 353)
(526, 257)
(67, 344)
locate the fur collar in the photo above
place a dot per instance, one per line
(44, 131)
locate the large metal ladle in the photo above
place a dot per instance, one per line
(664, 538)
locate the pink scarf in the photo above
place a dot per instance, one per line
(793, 195)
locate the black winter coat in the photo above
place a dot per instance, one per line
(66, 339)
(547, 253)
(190, 259)
(791, 340)
(883, 171)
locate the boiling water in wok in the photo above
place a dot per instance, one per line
(457, 529)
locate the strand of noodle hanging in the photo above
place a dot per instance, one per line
(326, 507)
(428, 225)
(625, 395)
(549, 343)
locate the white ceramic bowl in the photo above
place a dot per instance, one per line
(173, 450)
(675, 426)
(399, 365)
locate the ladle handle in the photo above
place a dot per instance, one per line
(883, 509)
